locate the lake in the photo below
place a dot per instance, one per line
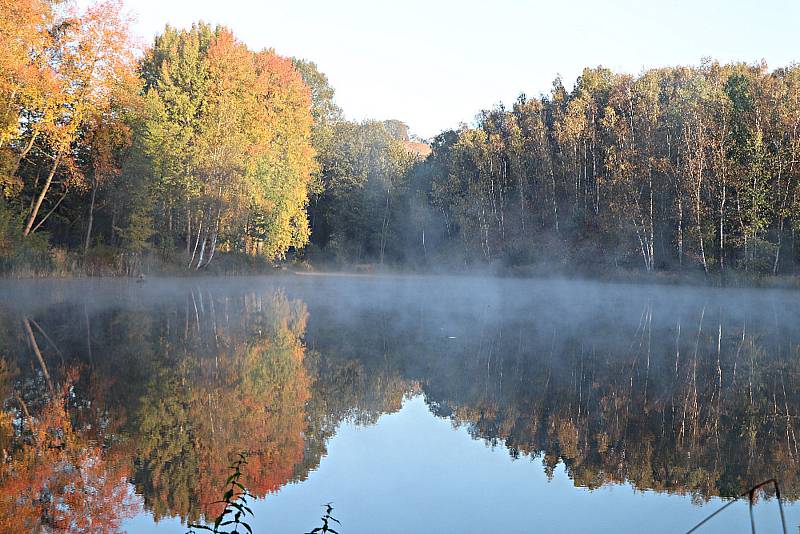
(412, 404)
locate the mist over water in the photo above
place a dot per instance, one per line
(424, 404)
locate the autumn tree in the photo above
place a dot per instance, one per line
(92, 56)
(676, 168)
(236, 126)
(27, 79)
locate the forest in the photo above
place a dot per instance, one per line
(197, 154)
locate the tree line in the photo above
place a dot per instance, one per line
(110, 155)
(198, 146)
(195, 143)
(691, 169)
(676, 168)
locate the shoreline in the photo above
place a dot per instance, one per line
(659, 278)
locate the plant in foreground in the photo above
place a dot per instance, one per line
(235, 500)
(326, 519)
(235, 510)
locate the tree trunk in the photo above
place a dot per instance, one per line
(722, 226)
(680, 231)
(22, 154)
(699, 229)
(91, 220)
(782, 218)
(778, 248)
(652, 221)
(40, 198)
(384, 227)
(170, 233)
(555, 202)
(202, 252)
(197, 241)
(113, 237)
(213, 248)
(213, 240)
(49, 213)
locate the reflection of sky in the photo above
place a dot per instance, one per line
(413, 472)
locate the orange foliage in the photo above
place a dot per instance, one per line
(255, 414)
(250, 397)
(55, 479)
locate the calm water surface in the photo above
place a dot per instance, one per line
(414, 404)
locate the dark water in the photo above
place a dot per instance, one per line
(413, 404)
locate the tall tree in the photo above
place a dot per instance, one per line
(92, 56)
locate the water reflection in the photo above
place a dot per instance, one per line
(126, 399)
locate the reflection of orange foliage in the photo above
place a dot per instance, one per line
(259, 409)
(55, 479)
(249, 397)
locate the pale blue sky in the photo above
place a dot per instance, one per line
(434, 64)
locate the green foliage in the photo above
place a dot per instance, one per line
(136, 235)
(203, 146)
(209, 144)
(360, 212)
(677, 168)
(20, 256)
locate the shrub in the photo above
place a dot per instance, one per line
(21, 256)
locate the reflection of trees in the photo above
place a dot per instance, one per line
(173, 389)
(170, 393)
(164, 393)
(56, 473)
(701, 405)
(683, 399)
(226, 394)
(347, 388)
